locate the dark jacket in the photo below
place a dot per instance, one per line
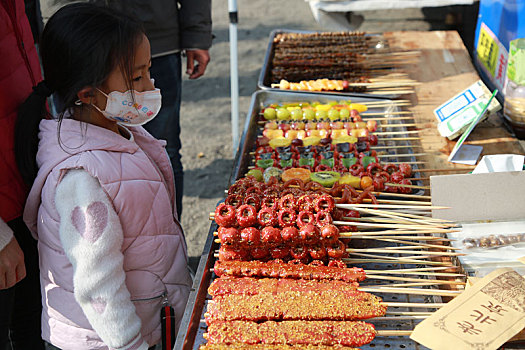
(171, 25)
(19, 72)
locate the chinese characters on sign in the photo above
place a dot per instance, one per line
(478, 318)
(492, 55)
(487, 51)
(483, 317)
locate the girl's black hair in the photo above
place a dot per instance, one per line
(80, 45)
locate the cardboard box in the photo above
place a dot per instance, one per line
(479, 197)
(483, 204)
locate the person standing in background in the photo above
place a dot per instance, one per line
(20, 300)
(173, 27)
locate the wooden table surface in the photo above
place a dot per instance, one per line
(445, 69)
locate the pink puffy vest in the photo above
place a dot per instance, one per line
(137, 177)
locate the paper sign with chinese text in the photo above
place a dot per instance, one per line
(483, 317)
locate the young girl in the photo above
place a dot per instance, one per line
(112, 251)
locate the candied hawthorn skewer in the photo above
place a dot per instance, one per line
(282, 270)
(252, 286)
(246, 215)
(225, 215)
(346, 333)
(296, 305)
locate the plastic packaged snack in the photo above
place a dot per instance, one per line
(493, 241)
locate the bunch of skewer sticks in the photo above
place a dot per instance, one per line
(419, 236)
(419, 241)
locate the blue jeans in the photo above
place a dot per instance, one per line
(21, 305)
(166, 70)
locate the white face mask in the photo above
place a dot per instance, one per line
(121, 107)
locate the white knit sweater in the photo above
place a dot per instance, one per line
(91, 235)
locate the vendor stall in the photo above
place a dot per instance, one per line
(325, 239)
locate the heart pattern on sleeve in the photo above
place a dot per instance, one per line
(98, 304)
(91, 222)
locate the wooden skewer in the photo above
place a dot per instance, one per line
(387, 84)
(372, 103)
(399, 139)
(394, 147)
(419, 178)
(405, 238)
(409, 279)
(389, 105)
(408, 284)
(410, 217)
(380, 220)
(390, 261)
(393, 333)
(402, 155)
(437, 274)
(388, 119)
(390, 92)
(383, 133)
(420, 198)
(414, 291)
(396, 163)
(398, 318)
(392, 218)
(401, 251)
(364, 114)
(415, 212)
(407, 186)
(377, 220)
(402, 232)
(447, 170)
(415, 305)
(371, 258)
(394, 226)
(425, 245)
(399, 202)
(408, 313)
(421, 259)
(417, 269)
(388, 206)
(382, 126)
(399, 53)
(403, 214)
(393, 233)
(412, 245)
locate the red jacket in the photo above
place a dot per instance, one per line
(19, 72)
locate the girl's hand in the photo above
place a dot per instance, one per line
(12, 267)
(202, 57)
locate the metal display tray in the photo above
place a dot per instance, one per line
(193, 327)
(264, 82)
(263, 98)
